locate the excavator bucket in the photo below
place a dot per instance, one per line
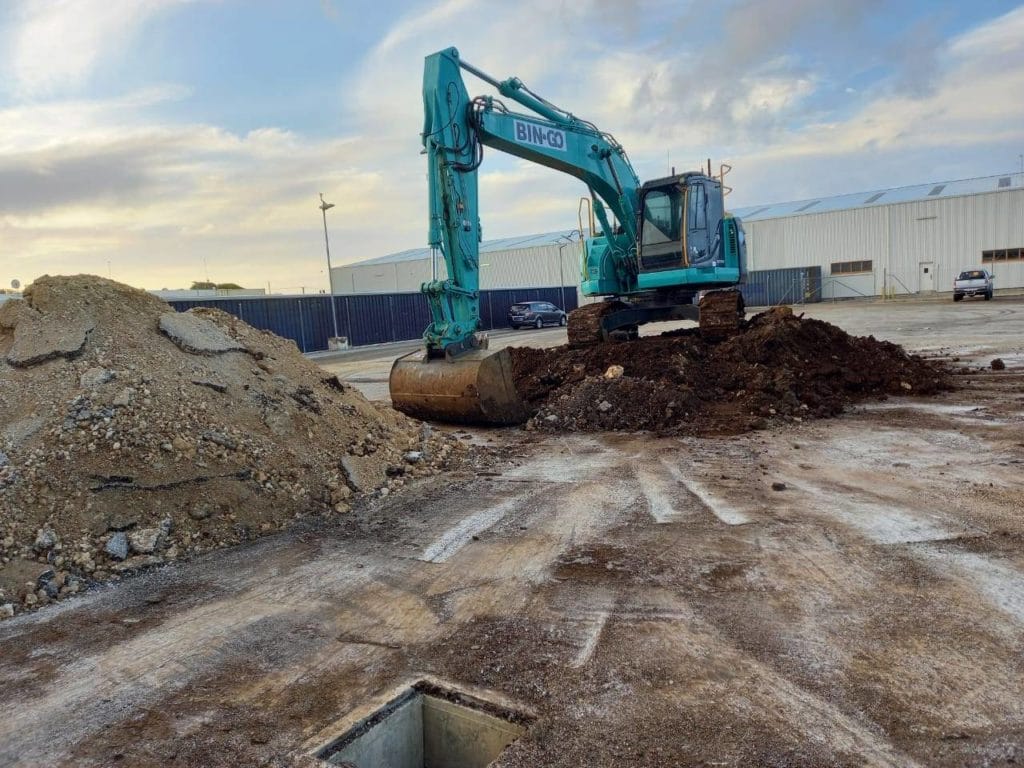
(474, 388)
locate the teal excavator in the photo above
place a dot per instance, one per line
(654, 246)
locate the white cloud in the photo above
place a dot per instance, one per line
(58, 43)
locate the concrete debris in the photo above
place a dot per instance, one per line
(216, 386)
(145, 541)
(46, 540)
(196, 334)
(117, 546)
(38, 336)
(192, 450)
(614, 372)
(123, 398)
(219, 438)
(95, 377)
(200, 511)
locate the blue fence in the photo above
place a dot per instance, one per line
(384, 317)
(366, 318)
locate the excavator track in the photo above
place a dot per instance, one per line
(721, 313)
(584, 326)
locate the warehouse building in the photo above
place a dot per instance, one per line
(906, 240)
(533, 261)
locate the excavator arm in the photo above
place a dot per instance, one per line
(456, 129)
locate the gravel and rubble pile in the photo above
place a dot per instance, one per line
(132, 435)
(779, 367)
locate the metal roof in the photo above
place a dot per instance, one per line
(930, 191)
(501, 244)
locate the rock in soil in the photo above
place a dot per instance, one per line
(778, 367)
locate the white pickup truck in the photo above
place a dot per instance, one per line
(973, 282)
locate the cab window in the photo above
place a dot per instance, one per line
(661, 237)
(698, 208)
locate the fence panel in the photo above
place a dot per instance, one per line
(380, 318)
(794, 285)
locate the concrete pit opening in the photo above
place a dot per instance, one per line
(428, 726)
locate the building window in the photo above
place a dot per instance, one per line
(1003, 254)
(850, 267)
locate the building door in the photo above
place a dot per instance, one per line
(926, 284)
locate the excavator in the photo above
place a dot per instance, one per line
(653, 249)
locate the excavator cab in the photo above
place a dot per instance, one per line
(679, 224)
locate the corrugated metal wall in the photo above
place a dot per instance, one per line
(945, 235)
(514, 268)
(367, 319)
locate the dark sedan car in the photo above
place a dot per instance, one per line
(535, 313)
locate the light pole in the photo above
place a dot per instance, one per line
(324, 205)
(561, 270)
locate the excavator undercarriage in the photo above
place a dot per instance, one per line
(719, 315)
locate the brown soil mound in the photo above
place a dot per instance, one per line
(779, 367)
(132, 435)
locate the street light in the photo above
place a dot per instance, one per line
(324, 205)
(561, 271)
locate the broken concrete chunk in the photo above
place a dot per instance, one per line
(117, 546)
(145, 541)
(39, 337)
(200, 511)
(46, 539)
(197, 334)
(614, 372)
(362, 473)
(219, 438)
(216, 386)
(95, 377)
(123, 398)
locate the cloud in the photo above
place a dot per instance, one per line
(58, 44)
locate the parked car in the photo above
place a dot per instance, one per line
(973, 282)
(535, 313)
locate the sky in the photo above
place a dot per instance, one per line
(160, 142)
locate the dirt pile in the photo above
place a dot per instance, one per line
(780, 367)
(134, 435)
